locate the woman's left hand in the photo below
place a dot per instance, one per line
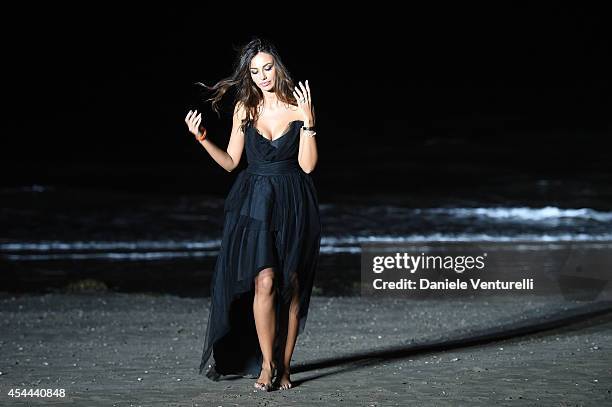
(302, 95)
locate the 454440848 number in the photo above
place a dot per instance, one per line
(37, 393)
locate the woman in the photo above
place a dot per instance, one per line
(263, 277)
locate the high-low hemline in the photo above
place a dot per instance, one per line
(271, 219)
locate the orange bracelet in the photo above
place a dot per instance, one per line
(203, 136)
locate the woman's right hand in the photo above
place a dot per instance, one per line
(193, 120)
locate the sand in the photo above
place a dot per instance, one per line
(136, 349)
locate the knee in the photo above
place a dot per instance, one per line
(264, 284)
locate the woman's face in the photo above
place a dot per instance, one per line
(263, 71)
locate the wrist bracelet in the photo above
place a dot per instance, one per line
(308, 128)
(203, 136)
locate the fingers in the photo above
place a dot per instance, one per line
(303, 92)
(299, 92)
(188, 117)
(193, 120)
(295, 95)
(191, 116)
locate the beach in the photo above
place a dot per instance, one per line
(127, 349)
(457, 236)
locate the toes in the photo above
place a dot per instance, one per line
(261, 386)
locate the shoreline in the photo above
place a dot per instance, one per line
(554, 266)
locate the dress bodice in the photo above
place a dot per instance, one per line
(258, 148)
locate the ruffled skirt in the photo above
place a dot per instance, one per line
(271, 220)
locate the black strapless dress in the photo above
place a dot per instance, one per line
(271, 220)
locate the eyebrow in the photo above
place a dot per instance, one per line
(268, 63)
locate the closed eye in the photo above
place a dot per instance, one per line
(267, 69)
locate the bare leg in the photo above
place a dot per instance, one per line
(290, 327)
(265, 323)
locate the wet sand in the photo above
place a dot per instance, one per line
(137, 349)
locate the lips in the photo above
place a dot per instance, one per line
(265, 83)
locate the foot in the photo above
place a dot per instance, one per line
(284, 382)
(264, 382)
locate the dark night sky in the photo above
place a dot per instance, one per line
(98, 97)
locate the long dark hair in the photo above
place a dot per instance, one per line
(247, 92)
